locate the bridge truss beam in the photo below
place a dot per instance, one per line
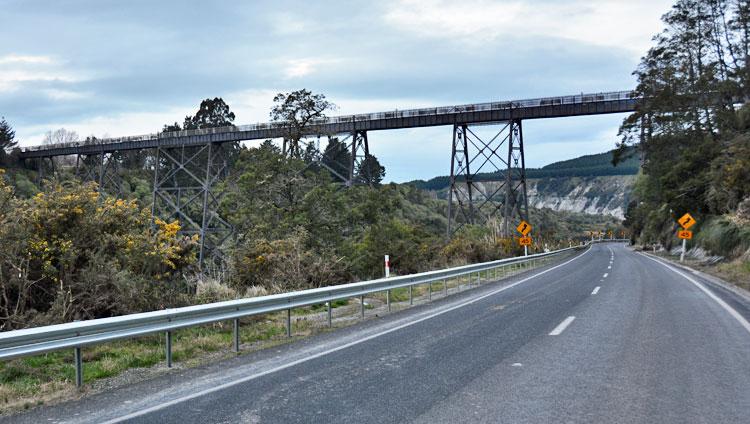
(501, 155)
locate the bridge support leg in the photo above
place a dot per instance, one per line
(360, 151)
(497, 152)
(185, 178)
(103, 169)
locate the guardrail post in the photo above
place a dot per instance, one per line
(330, 314)
(362, 306)
(388, 299)
(169, 349)
(236, 334)
(78, 359)
(429, 291)
(445, 286)
(289, 322)
(411, 297)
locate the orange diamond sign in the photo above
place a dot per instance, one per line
(686, 221)
(524, 228)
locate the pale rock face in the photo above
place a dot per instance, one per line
(594, 195)
(606, 195)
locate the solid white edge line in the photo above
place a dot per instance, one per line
(736, 315)
(562, 326)
(329, 351)
(596, 290)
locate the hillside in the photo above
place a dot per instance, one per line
(589, 184)
(597, 165)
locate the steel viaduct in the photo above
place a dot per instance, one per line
(188, 164)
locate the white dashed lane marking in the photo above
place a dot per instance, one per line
(562, 326)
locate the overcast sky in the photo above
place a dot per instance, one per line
(128, 67)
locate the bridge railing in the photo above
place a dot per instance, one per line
(396, 114)
(75, 335)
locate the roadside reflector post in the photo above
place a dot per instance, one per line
(236, 334)
(78, 359)
(169, 349)
(387, 266)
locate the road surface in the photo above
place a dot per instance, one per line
(607, 336)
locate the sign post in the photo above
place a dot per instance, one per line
(686, 221)
(524, 228)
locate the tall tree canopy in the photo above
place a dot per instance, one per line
(692, 123)
(211, 113)
(298, 109)
(7, 136)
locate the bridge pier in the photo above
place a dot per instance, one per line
(184, 182)
(102, 168)
(502, 192)
(343, 159)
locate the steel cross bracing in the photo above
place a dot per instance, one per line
(504, 194)
(184, 189)
(548, 107)
(103, 169)
(343, 158)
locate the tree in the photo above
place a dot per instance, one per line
(337, 158)
(7, 136)
(171, 127)
(212, 113)
(370, 172)
(60, 136)
(298, 109)
(689, 133)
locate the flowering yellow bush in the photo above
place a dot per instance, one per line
(81, 255)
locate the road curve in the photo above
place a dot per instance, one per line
(607, 336)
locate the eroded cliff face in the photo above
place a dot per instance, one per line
(606, 195)
(592, 195)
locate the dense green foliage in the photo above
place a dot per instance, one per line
(694, 138)
(585, 166)
(68, 253)
(73, 252)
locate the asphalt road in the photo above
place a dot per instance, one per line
(608, 336)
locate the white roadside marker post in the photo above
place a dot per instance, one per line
(682, 255)
(387, 266)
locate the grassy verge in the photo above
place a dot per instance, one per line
(736, 272)
(37, 380)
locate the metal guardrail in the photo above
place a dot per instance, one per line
(39, 340)
(406, 113)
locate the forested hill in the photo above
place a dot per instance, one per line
(585, 166)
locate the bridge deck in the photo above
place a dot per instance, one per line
(550, 107)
